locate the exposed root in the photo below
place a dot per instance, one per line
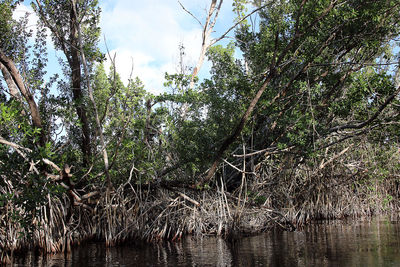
(275, 196)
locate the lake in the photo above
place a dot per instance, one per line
(364, 243)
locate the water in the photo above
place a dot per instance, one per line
(375, 243)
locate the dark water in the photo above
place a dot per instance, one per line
(375, 243)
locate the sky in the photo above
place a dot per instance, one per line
(145, 36)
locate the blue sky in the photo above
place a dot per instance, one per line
(148, 34)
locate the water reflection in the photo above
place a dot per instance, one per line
(375, 243)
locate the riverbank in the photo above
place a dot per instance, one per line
(151, 214)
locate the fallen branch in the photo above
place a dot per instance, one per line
(52, 164)
(323, 165)
(189, 199)
(236, 168)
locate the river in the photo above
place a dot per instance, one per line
(363, 243)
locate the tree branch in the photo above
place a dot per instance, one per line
(371, 119)
(9, 66)
(237, 23)
(190, 13)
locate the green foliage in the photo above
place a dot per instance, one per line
(364, 96)
(321, 61)
(240, 9)
(199, 119)
(312, 93)
(14, 124)
(131, 127)
(5, 19)
(57, 13)
(7, 24)
(316, 50)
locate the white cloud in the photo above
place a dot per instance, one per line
(33, 19)
(20, 12)
(138, 64)
(149, 32)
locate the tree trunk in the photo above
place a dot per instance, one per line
(12, 87)
(9, 65)
(228, 141)
(75, 65)
(205, 43)
(79, 44)
(272, 74)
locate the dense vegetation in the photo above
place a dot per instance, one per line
(303, 127)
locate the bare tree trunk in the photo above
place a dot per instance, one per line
(71, 51)
(208, 28)
(9, 66)
(397, 77)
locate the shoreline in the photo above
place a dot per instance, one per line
(171, 214)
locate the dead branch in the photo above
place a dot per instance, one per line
(16, 147)
(189, 199)
(324, 164)
(190, 13)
